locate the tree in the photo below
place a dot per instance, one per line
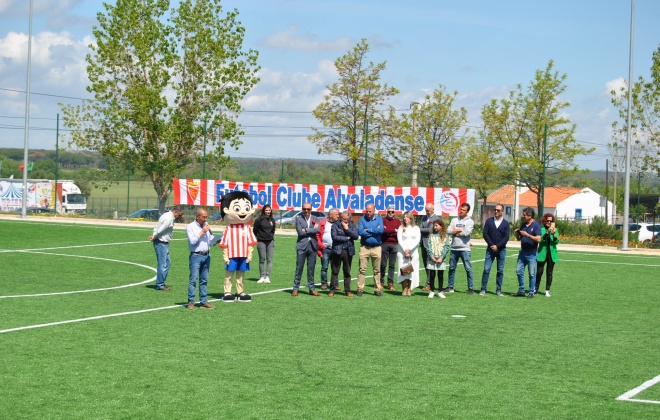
(518, 124)
(347, 106)
(645, 119)
(486, 170)
(156, 74)
(430, 138)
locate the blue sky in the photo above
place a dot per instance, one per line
(482, 49)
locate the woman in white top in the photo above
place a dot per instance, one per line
(408, 236)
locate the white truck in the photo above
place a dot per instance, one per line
(41, 194)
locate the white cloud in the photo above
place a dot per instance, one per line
(292, 40)
(616, 85)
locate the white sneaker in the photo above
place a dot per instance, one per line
(431, 295)
(547, 293)
(261, 280)
(441, 295)
(267, 279)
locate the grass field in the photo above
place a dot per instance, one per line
(132, 352)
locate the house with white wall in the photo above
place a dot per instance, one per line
(571, 203)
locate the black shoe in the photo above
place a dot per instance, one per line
(530, 295)
(228, 298)
(470, 292)
(518, 294)
(378, 293)
(244, 297)
(359, 292)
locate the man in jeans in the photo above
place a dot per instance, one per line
(199, 236)
(161, 237)
(370, 229)
(530, 236)
(460, 228)
(496, 235)
(324, 239)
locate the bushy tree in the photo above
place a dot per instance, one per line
(518, 124)
(645, 120)
(347, 106)
(156, 73)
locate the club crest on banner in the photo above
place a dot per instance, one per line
(192, 190)
(448, 202)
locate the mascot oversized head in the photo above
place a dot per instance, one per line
(238, 242)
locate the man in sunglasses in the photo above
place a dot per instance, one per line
(306, 247)
(496, 235)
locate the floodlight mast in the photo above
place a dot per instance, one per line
(27, 119)
(626, 190)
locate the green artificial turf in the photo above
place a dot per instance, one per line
(568, 356)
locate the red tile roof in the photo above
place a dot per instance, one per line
(553, 196)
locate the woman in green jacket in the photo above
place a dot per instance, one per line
(547, 251)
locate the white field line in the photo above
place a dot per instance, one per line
(141, 311)
(646, 385)
(89, 290)
(78, 246)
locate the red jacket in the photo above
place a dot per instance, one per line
(319, 236)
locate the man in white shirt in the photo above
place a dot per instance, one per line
(161, 237)
(460, 228)
(199, 237)
(324, 239)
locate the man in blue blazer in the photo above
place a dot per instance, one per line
(307, 227)
(496, 235)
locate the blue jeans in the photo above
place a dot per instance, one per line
(526, 258)
(199, 268)
(453, 261)
(163, 262)
(488, 263)
(326, 254)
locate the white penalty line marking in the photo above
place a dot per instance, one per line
(627, 396)
(141, 311)
(89, 290)
(78, 246)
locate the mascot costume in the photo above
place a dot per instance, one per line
(237, 242)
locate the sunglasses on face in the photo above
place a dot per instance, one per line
(498, 211)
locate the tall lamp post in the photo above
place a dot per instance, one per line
(413, 148)
(27, 119)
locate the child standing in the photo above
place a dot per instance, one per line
(439, 246)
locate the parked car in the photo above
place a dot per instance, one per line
(290, 216)
(647, 232)
(148, 214)
(216, 218)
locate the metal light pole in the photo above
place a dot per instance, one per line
(27, 119)
(626, 192)
(413, 149)
(204, 158)
(366, 149)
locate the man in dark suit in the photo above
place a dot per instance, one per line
(306, 247)
(496, 235)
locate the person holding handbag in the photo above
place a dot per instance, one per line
(439, 245)
(408, 235)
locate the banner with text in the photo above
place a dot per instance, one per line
(283, 196)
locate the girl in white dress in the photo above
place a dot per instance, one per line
(408, 236)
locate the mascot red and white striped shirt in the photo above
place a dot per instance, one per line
(237, 239)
